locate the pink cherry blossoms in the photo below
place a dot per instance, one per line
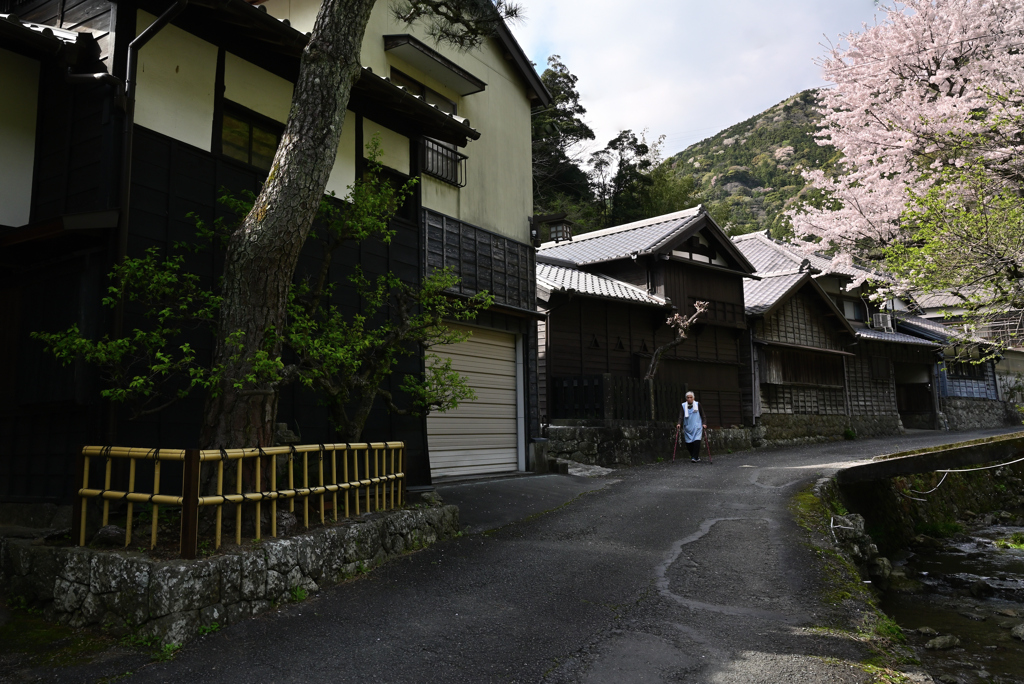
(906, 89)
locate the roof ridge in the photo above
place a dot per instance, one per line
(643, 223)
(775, 274)
(748, 236)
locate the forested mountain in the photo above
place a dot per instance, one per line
(748, 174)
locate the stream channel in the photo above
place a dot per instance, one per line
(969, 586)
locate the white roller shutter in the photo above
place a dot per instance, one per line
(479, 437)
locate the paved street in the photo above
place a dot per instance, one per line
(674, 572)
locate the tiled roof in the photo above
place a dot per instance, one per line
(899, 338)
(560, 278)
(935, 329)
(760, 295)
(936, 300)
(640, 237)
(767, 255)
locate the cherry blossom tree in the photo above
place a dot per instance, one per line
(928, 88)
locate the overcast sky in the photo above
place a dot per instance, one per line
(683, 68)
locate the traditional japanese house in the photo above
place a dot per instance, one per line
(818, 368)
(1003, 330)
(966, 382)
(213, 91)
(607, 295)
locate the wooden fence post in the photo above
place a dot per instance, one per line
(190, 505)
(650, 394)
(76, 509)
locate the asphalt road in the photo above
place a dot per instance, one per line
(674, 572)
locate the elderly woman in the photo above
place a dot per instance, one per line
(693, 423)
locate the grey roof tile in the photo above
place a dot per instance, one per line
(560, 278)
(760, 295)
(640, 237)
(936, 329)
(767, 255)
(899, 338)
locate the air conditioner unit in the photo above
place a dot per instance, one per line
(883, 321)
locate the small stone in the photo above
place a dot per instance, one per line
(949, 679)
(980, 589)
(977, 617)
(432, 498)
(1018, 632)
(880, 569)
(942, 643)
(286, 523)
(213, 614)
(110, 535)
(927, 631)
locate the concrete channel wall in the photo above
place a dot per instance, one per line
(126, 592)
(895, 510)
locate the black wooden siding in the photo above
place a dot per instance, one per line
(172, 179)
(483, 260)
(76, 164)
(802, 381)
(58, 408)
(47, 410)
(589, 337)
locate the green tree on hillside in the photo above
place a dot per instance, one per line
(558, 131)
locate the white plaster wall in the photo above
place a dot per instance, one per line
(440, 196)
(344, 172)
(256, 88)
(394, 146)
(175, 95)
(499, 191)
(19, 83)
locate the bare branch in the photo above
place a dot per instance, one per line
(680, 325)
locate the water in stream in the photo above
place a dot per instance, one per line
(969, 587)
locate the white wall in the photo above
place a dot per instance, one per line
(19, 83)
(394, 146)
(498, 194)
(177, 72)
(344, 172)
(256, 88)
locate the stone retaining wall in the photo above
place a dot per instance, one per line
(633, 442)
(126, 592)
(629, 442)
(967, 413)
(606, 443)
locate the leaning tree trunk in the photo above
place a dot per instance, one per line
(263, 252)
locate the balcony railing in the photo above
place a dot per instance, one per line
(443, 163)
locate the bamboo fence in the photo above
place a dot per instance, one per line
(371, 477)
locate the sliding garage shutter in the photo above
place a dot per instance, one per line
(479, 437)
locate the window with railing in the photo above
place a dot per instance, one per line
(443, 162)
